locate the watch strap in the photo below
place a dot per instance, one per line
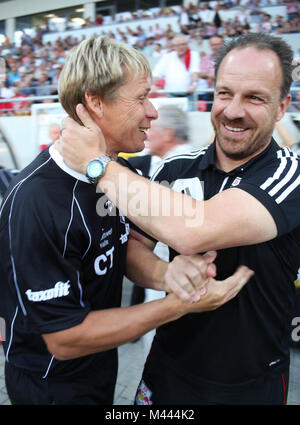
(104, 159)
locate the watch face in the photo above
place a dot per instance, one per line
(95, 169)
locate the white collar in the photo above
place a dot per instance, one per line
(58, 159)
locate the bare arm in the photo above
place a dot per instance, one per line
(143, 267)
(230, 218)
(183, 276)
(106, 329)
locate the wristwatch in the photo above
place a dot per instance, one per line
(96, 168)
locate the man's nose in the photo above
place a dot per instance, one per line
(234, 109)
(150, 110)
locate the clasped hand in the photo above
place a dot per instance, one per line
(192, 279)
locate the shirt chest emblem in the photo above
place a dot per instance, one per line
(236, 181)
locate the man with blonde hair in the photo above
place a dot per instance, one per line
(65, 249)
(247, 209)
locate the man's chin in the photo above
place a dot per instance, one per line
(232, 152)
(236, 155)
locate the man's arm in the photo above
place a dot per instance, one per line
(183, 276)
(109, 328)
(143, 267)
(230, 218)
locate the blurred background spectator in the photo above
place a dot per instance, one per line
(179, 69)
(207, 70)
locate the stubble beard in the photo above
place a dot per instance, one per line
(238, 151)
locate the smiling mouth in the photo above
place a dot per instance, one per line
(144, 129)
(235, 129)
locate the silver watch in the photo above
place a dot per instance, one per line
(96, 168)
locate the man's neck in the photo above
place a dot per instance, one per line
(227, 164)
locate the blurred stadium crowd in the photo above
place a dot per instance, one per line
(33, 67)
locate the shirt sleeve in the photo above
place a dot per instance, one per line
(46, 280)
(277, 187)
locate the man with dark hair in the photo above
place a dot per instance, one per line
(247, 209)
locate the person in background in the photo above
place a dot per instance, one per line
(179, 68)
(207, 70)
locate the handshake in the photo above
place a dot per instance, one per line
(192, 279)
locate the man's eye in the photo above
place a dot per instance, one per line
(256, 99)
(223, 93)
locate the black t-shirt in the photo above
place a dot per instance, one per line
(248, 336)
(63, 249)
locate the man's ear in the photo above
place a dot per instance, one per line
(94, 105)
(284, 104)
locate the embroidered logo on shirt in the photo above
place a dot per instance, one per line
(60, 289)
(143, 395)
(236, 181)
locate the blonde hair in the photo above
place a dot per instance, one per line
(98, 66)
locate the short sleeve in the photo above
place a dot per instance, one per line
(47, 283)
(277, 187)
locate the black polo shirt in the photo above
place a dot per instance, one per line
(248, 336)
(63, 250)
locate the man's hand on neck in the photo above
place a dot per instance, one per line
(79, 144)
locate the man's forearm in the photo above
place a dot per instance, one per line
(106, 329)
(109, 328)
(143, 267)
(166, 215)
(232, 217)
